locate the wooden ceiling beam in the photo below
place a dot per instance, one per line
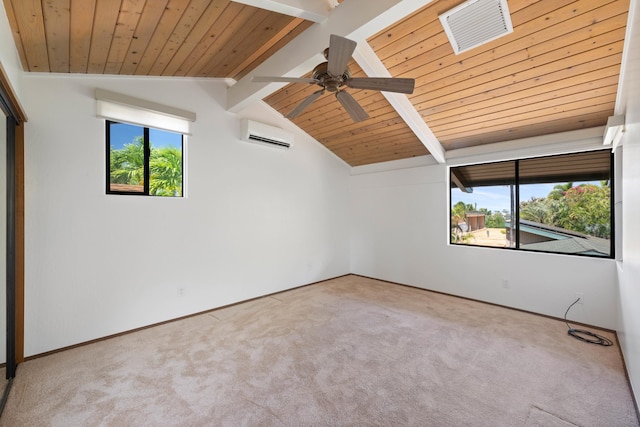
(371, 64)
(295, 32)
(268, 45)
(312, 11)
(356, 19)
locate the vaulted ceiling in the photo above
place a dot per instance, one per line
(557, 71)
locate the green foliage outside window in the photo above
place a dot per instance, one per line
(584, 208)
(127, 167)
(127, 163)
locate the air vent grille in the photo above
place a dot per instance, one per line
(262, 139)
(476, 22)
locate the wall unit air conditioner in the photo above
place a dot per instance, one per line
(261, 133)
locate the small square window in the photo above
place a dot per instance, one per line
(144, 161)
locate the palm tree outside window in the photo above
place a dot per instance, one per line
(144, 161)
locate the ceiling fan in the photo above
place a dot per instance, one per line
(334, 74)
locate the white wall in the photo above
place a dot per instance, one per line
(400, 234)
(256, 220)
(629, 267)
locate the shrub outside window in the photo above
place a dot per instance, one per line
(143, 161)
(556, 204)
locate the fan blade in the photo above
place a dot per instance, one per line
(266, 79)
(304, 104)
(387, 84)
(352, 107)
(340, 51)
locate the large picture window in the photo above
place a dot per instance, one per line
(144, 161)
(557, 204)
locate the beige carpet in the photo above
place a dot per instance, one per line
(349, 351)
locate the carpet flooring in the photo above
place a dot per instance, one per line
(345, 352)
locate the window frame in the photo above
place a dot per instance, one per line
(146, 166)
(516, 203)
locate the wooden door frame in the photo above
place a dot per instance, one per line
(15, 199)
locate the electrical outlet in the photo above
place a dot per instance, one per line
(180, 292)
(505, 283)
(579, 295)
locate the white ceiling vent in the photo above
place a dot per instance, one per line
(265, 134)
(476, 22)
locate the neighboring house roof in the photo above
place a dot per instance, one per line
(571, 245)
(564, 241)
(533, 226)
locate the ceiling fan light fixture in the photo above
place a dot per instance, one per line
(476, 22)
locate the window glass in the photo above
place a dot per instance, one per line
(565, 204)
(165, 163)
(144, 161)
(482, 204)
(126, 158)
(558, 204)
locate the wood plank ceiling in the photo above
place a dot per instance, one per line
(558, 71)
(190, 38)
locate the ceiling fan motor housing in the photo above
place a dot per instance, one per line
(326, 80)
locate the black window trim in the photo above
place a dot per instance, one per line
(147, 156)
(612, 243)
